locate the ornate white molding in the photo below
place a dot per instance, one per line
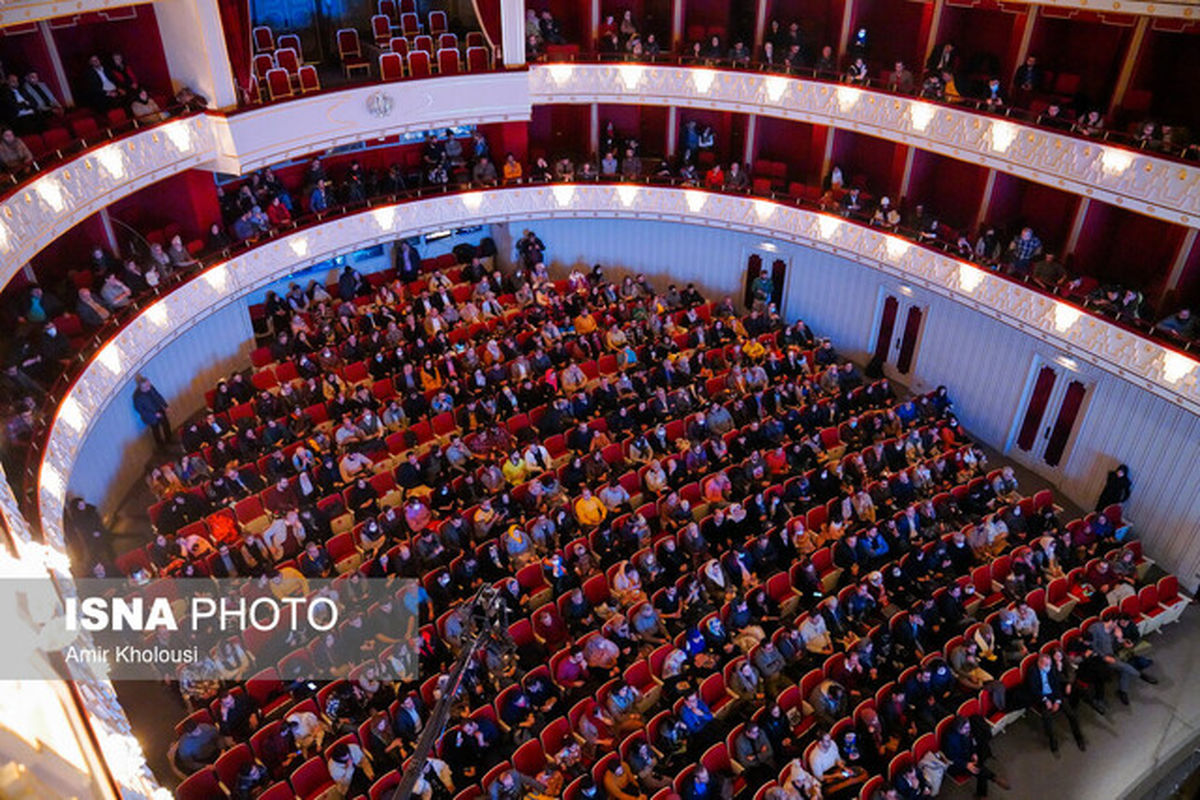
(272, 133)
(14, 12)
(61, 198)
(1157, 187)
(107, 378)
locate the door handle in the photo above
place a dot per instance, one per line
(1046, 435)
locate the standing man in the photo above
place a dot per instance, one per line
(152, 408)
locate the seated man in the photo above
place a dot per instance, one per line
(1048, 695)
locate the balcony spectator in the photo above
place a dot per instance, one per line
(1182, 324)
(769, 58)
(1053, 117)
(736, 179)
(714, 178)
(115, 294)
(1024, 249)
(901, 79)
(188, 100)
(942, 59)
(826, 64)
(243, 227)
(218, 239)
(1049, 273)
(739, 54)
(628, 28)
(92, 312)
(564, 169)
(650, 46)
(15, 155)
(151, 407)
(713, 50)
(122, 74)
(533, 27)
(950, 92)
(41, 95)
(39, 307)
(1028, 78)
(886, 215)
(100, 88)
(609, 165)
(484, 172)
(857, 74)
(317, 201)
(551, 29)
(631, 166)
(1091, 124)
(479, 145)
(453, 151)
(793, 58)
(145, 109)
(18, 110)
(277, 213)
(993, 97)
(512, 169)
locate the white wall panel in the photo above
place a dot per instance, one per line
(116, 453)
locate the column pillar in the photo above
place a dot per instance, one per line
(677, 26)
(906, 176)
(985, 204)
(1130, 63)
(1181, 259)
(931, 35)
(748, 154)
(193, 41)
(1076, 227)
(844, 34)
(672, 131)
(512, 33)
(1026, 38)
(760, 25)
(594, 129)
(56, 67)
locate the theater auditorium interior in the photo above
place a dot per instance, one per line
(665, 399)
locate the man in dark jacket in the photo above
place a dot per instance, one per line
(152, 408)
(1047, 696)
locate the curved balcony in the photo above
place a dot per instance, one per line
(102, 381)
(1160, 187)
(49, 203)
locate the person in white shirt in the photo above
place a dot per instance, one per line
(350, 769)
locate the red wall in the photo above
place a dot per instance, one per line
(188, 199)
(1017, 202)
(950, 190)
(573, 15)
(893, 30)
(556, 131)
(22, 48)
(1082, 45)
(798, 144)
(866, 162)
(131, 31)
(983, 37)
(1167, 67)
(820, 20)
(1132, 249)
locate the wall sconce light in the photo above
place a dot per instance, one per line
(905, 290)
(1003, 135)
(385, 217)
(1065, 316)
(217, 277)
(764, 209)
(70, 414)
(1114, 161)
(561, 73)
(51, 482)
(110, 358)
(4, 236)
(157, 313)
(1176, 366)
(847, 97)
(696, 200)
(631, 75)
(627, 193)
(299, 245)
(775, 86)
(703, 79)
(112, 161)
(969, 277)
(828, 226)
(563, 194)
(920, 115)
(896, 247)
(472, 201)
(51, 193)
(180, 135)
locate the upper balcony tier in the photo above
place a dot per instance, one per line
(38, 210)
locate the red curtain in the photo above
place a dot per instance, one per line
(1037, 407)
(908, 347)
(235, 19)
(488, 13)
(1065, 423)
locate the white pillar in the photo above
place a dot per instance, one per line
(194, 42)
(751, 132)
(512, 33)
(60, 75)
(672, 131)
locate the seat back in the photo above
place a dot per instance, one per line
(447, 61)
(288, 59)
(437, 22)
(418, 64)
(309, 80)
(264, 39)
(399, 45)
(278, 83)
(347, 42)
(293, 41)
(409, 24)
(391, 67)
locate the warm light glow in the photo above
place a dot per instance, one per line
(847, 96)
(299, 245)
(563, 193)
(764, 209)
(472, 200)
(1067, 363)
(216, 277)
(969, 277)
(110, 358)
(51, 481)
(70, 414)
(51, 193)
(775, 86)
(696, 200)
(180, 134)
(627, 194)
(703, 79)
(828, 226)
(1114, 160)
(112, 161)
(1065, 316)
(906, 290)
(897, 247)
(561, 73)
(31, 710)
(1176, 366)
(385, 217)
(157, 313)
(920, 114)
(3, 236)
(631, 75)
(1003, 134)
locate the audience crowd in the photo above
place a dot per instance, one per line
(728, 564)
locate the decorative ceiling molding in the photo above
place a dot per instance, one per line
(1158, 187)
(14, 12)
(107, 378)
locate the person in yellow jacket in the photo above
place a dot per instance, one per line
(514, 469)
(620, 783)
(589, 510)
